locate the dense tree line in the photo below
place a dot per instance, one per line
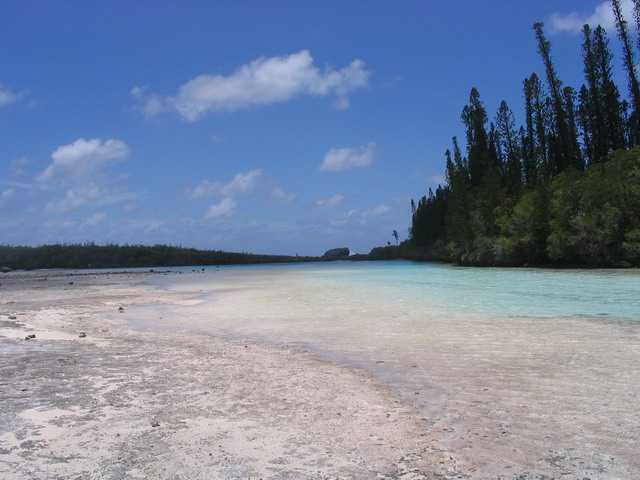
(563, 188)
(89, 255)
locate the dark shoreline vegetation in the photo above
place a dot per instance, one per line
(561, 190)
(89, 255)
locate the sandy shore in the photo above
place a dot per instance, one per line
(123, 403)
(92, 397)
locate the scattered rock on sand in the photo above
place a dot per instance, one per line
(82, 335)
(30, 336)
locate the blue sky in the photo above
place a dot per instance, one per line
(282, 127)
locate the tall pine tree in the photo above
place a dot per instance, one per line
(629, 65)
(564, 145)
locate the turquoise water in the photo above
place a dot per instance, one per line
(446, 289)
(360, 312)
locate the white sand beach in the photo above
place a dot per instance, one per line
(92, 397)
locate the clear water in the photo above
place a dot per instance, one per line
(389, 317)
(445, 289)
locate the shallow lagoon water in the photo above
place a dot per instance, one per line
(445, 289)
(530, 368)
(381, 315)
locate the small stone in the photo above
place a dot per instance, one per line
(29, 337)
(82, 335)
(155, 424)
(12, 317)
(121, 309)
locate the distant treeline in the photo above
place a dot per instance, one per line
(89, 255)
(562, 189)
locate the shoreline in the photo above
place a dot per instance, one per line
(123, 402)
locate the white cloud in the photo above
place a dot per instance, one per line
(264, 81)
(360, 217)
(280, 197)
(149, 105)
(81, 160)
(602, 15)
(76, 176)
(223, 209)
(7, 97)
(343, 158)
(242, 183)
(329, 202)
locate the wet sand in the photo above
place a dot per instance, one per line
(543, 401)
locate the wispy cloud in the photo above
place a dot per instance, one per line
(359, 217)
(222, 209)
(338, 159)
(90, 195)
(280, 197)
(573, 22)
(6, 196)
(264, 81)
(242, 183)
(329, 202)
(18, 167)
(8, 96)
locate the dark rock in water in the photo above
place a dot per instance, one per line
(5, 269)
(121, 309)
(336, 253)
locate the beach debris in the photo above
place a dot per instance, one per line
(30, 336)
(82, 335)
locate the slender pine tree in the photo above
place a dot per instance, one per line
(565, 151)
(629, 65)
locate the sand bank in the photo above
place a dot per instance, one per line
(124, 403)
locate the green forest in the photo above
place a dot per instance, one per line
(561, 189)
